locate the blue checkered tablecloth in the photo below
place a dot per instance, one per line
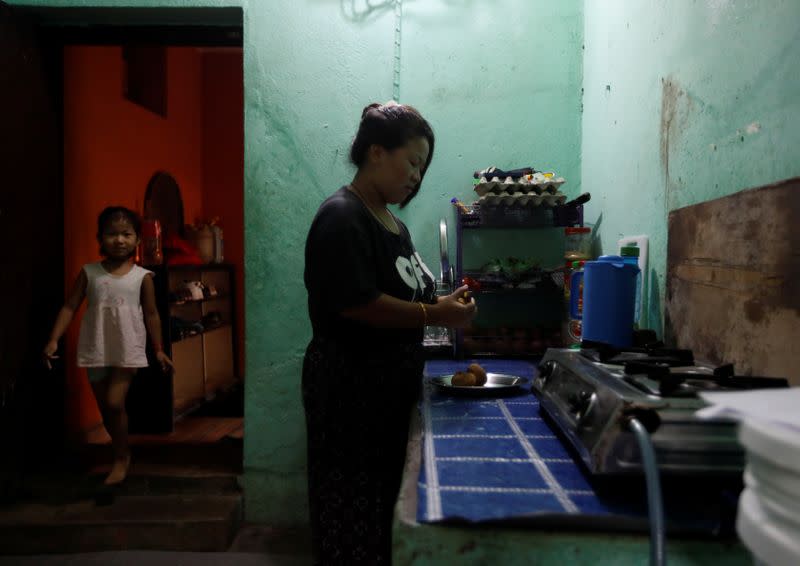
(495, 458)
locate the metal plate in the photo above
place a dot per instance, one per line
(496, 384)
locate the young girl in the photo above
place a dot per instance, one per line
(111, 345)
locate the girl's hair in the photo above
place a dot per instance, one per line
(391, 126)
(113, 213)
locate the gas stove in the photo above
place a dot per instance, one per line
(591, 393)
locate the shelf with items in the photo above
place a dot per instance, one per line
(178, 302)
(520, 290)
(510, 341)
(502, 215)
(514, 324)
(205, 330)
(532, 280)
(196, 304)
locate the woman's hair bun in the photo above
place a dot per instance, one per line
(373, 106)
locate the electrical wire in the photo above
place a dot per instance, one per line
(658, 553)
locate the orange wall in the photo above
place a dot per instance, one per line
(223, 162)
(111, 149)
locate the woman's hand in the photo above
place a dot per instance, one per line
(450, 312)
(166, 363)
(49, 354)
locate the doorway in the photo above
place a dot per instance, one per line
(116, 140)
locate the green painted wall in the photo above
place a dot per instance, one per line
(500, 83)
(684, 101)
(310, 68)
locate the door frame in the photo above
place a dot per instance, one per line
(203, 27)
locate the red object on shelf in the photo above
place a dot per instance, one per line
(180, 252)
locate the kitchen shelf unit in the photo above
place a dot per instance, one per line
(526, 318)
(205, 358)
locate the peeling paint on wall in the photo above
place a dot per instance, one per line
(676, 107)
(753, 128)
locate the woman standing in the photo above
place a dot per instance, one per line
(370, 297)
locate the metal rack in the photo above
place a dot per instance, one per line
(539, 289)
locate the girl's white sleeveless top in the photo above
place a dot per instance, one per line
(112, 330)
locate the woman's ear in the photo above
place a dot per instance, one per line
(376, 153)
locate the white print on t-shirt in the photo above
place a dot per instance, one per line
(411, 270)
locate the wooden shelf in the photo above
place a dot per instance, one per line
(200, 301)
(201, 267)
(206, 330)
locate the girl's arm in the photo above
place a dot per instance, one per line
(390, 312)
(153, 322)
(73, 302)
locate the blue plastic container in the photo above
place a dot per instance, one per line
(609, 294)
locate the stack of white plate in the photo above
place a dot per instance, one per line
(768, 520)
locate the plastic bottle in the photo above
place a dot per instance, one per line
(574, 326)
(203, 240)
(566, 319)
(218, 243)
(577, 249)
(630, 254)
(577, 243)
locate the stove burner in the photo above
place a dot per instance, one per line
(676, 381)
(590, 394)
(653, 352)
(671, 372)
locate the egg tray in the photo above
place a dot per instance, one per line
(521, 185)
(522, 200)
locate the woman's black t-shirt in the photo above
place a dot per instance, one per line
(351, 259)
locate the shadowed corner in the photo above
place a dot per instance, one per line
(597, 243)
(654, 310)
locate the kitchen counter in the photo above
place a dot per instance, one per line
(553, 535)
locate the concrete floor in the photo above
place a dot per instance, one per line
(254, 546)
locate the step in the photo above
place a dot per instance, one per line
(55, 489)
(176, 522)
(220, 458)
